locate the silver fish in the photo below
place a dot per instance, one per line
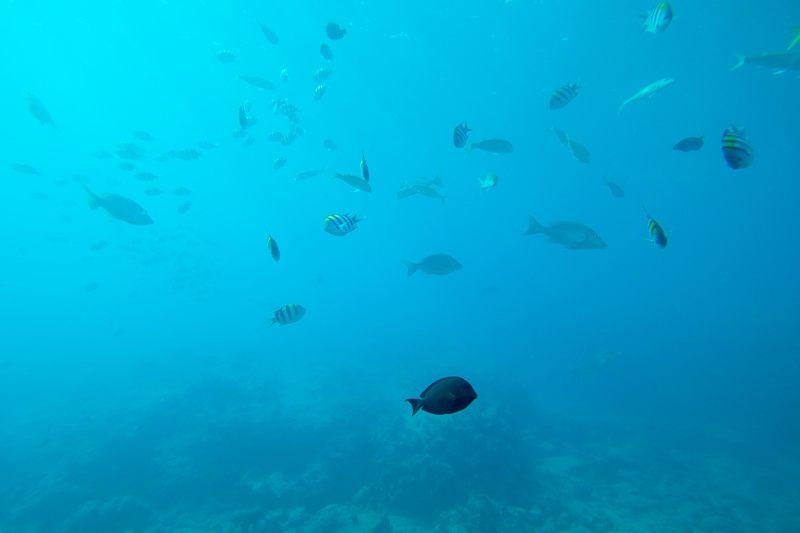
(779, 62)
(407, 188)
(438, 264)
(427, 190)
(496, 146)
(616, 190)
(647, 92)
(572, 235)
(308, 174)
(355, 181)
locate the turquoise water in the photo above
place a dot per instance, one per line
(141, 389)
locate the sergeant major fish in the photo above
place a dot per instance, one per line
(658, 18)
(273, 247)
(364, 167)
(461, 135)
(287, 314)
(341, 225)
(736, 148)
(564, 95)
(120, 207)
(657, 234)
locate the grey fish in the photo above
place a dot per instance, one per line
(269, 34)
(308, 174)
(780, 62)
(126, 166)
(322, 74)
(329, 144)
(647, 92)
(430, 192)
(572, 235)
(355, 181)
(580, 152)
(24, 169)
(496, 146)
(39, 112)
(120, 207)
(594, 362)
(261, 83)
(184, 207)
(145, 176)
(129, 150)
(616, 190)
(444, 397)
(226, 56)
(563, 136)
(439, 264)
(407, 188)
(689, 144)
(142, 135)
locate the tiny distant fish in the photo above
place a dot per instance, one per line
(341, 225)
(184, 207)
(97, 246)
(142, 135)
(182, 191)
(187, 154)
(616, 190)
(273, 247)
(280, 162)
(286, 140)
(444, 397)
(24, 169)
(145, 176)
(489, 182)
(594, 362)
(657, 234)
(38, 110)
(153, 191)
(269, 34)
(126, 166)
(308, 174)
(284, 76)
(355, 181)
(329, 144)
(255, 81)
(120, 207)
(226, 56)
(572, 235)
(102, 154)
(334, 31)
(364, 168)
(239, 133)
(206, 145)
(438, 264)
(461, 135)
(736, 148)
(322, 74)
(689, 144)
(275, 136)
(288, 314)
(248, 141)
(326, 52)
(496, 146)
(129, 150)
(650, 90)
(564, 95)
(319, 92)
(91, 286)
(658, 18)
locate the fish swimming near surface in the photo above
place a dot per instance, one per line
(438, 264)
(326, 52)
(736, 148)
(572, 235)
(616, 190)
(255, 81)
(24, 169)
(780, 62)
(364, 167)
(333, 31)
(268, 33)
(489, 182)
(657, 234)
(120, 207)
(594, 362)
(287, 314)
(496, 146)
(273, 247)
(38, 110)
(355, 181)
(689, 144)
(444, 397)
(647, 92)
(658, 18)
(564, 95)
(341, 225)
(461, 135)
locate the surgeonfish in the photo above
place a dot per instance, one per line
(444, 397)
(341, 225)
(364, 168)
(334, 32)
(287, 315)
(496, 146)
(616, 190)
(564, 95)
(438, 264)
(650, 90)
(572, 235)
(657, 234)
(658, 18)
(120, 207)
(272, 246)
(326, 52)
(460, 135)
(736, 148)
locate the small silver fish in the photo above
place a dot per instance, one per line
(647, 92)
(255, 81)
(355, 181)
(430, 192)
(308, 174)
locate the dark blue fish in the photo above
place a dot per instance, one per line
(657, 234)
(273, 247)
(444, 397)
(736, 148)
(269, 34)
(460, 135)
(564, 95)
(364, 167)
(334, 31)
(242, 117)
(689, 144)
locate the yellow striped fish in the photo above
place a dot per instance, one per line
(657, 234)
(341, 225)
(287, 314)
(273, 247)
(736, 148)
(658, 18)
(564, 95)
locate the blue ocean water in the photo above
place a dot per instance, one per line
(141, 389)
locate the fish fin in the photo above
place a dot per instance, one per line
(623, 105)
(444, 204)
(533, 226)
(438, 180)
(796, 31)
(94, 200)
(416, 404)
(469, 148)
(740, 61)
(412, 267)
(272, 321)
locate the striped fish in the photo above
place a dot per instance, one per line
(657, 234)
(564, 95)
(460, 135)
(658, 18)
(364, 167)
(736, 148)
(288, 314)
(341, 225)
(273, 247)
(319, 92)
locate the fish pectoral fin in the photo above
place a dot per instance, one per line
(452, 396)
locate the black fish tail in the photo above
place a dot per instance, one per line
(416, 405)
